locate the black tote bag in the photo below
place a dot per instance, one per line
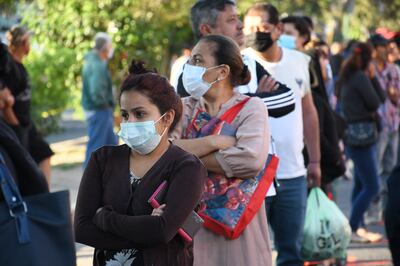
(35, 230)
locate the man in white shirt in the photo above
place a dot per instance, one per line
(287, 210)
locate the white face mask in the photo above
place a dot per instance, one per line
(193, 81)
(141, 137)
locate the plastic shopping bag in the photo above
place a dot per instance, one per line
(326, 230)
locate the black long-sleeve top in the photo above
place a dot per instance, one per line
(126, 222)
(361, 97)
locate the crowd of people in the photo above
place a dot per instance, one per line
(243, 91)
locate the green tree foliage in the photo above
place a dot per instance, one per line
(148, 30)
(51, 83)
(152, 31)
(346, 19)
(365, 16)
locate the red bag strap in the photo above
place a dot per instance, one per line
(232, 112)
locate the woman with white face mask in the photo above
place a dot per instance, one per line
(112, 211)
(239, 149)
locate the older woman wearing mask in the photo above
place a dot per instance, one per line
(210, 76)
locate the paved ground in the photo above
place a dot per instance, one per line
(69, 146)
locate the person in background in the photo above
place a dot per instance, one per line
(332, 163)
(97, 95)
(16, 80)
(214, 69)
(360, 95)
(389, 79)
(298, 29)
(112, 210)
(22, 167)
(348, 48)
(177, 66)
(286, 211)
(302, 28)
(323, 51)
(336, 58)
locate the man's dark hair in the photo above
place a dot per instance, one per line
(206, 12)
(300, 25)
(273, 14)
(309, 21)
(378, 40)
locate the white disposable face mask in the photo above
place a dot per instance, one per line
(193, 81)
(141, 137)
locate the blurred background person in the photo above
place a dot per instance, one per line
(389, 119)
(361, 96)
(16, 79)
(177, 66)
(97, 95)
(332, 163)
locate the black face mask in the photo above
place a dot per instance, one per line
(259, 41)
